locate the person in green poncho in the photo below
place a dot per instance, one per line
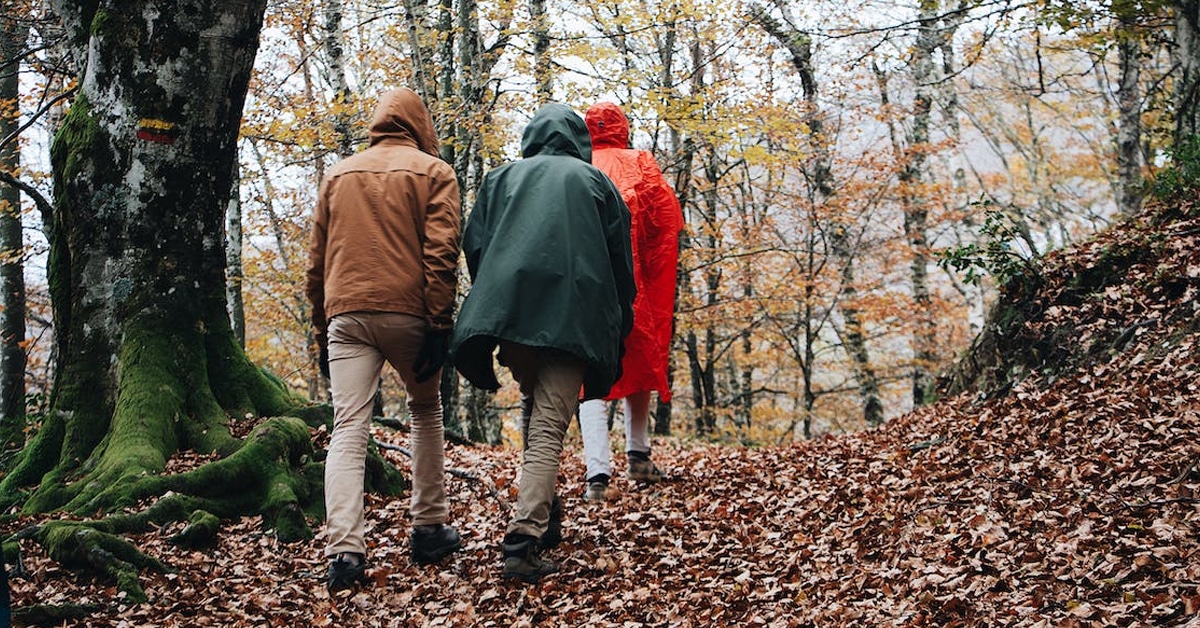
(547, 246)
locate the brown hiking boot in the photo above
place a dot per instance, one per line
(521, 559)
(643, 470)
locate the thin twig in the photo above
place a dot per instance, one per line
(12, 137)
(406, 427)
(488, 485)
(915, 447)
(1187, 471)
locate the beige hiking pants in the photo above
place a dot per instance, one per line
(359, 343)
(552, 379)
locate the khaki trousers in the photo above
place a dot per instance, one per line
(552, 379)
(359, 343)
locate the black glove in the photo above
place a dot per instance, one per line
(432, 356)
(323, 360)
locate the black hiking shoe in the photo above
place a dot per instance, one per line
(431, 543)
(345, 572)
(521, 560)
(553, 535)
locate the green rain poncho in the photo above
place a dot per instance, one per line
(548, 249)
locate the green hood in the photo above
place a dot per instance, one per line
(557, 130)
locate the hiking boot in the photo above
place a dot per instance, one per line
(521, 560)
(431, 543)
(641, 469)
(553, 535)
(346, 571)
(597, 488)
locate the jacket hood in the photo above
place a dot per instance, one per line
(402, 115)
(608, 126)
(556, 130)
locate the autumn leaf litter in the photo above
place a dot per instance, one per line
(1071, 500)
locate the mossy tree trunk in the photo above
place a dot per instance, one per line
(148, 363)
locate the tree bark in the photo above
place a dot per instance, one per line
(342, 96)
(234, 271)
(143, 164)
(1187, 91)
(13, 33)
(1129, 120)
(679, 147)
(542, 76)
(475, 94)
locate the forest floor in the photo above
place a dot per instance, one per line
(1070, 498)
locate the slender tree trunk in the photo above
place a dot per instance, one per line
(662, 412)
(542, 74)
(13, 33)
(234, 271)
(1129, 123)
(912, 155)
(1187, 51)
(666, 56)
(343, 97)
(745, 406)
(415, 15)
(474, 412)
(799, 45)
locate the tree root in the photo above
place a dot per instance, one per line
(51, 615)
(79, 545)
(274, 474)
(200, 532)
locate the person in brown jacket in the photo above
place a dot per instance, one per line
(382, 279)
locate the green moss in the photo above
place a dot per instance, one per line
(241, 387)
(99, 23)
(268, 471)
(314, 414)
(200, 532)
(80, 546)
(38, 458)
(382, 477)
(70, 154)
(151, 402)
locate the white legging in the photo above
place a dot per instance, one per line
(593, 425)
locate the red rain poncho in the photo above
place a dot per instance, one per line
(657, 221)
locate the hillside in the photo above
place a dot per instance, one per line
(1059, 487)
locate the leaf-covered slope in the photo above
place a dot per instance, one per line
(1067, 498)
(1086, 304)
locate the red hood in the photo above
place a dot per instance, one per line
(607, 125)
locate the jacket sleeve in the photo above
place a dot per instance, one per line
(440, 249)
(314, 284)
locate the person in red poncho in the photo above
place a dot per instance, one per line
(657, 221)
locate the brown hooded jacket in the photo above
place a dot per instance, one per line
(386, 229)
